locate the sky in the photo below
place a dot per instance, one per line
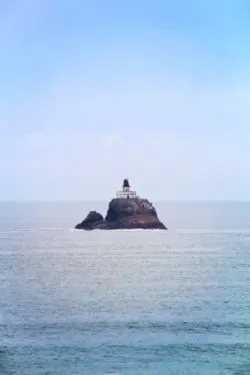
(154, 90)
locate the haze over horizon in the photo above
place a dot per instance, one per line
(95, 91)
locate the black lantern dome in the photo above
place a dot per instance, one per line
(125, 183)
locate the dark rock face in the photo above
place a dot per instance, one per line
(93, 218)
(124, 214)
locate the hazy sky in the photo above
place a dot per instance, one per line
(94, 91)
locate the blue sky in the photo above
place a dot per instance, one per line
(94, 91)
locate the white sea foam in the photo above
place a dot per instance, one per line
(16, 230)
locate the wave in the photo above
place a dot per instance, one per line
(54, 229)
(20, 230)
(119, 230)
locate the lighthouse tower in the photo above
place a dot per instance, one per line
(126, 193)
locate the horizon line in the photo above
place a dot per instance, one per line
(105, 201)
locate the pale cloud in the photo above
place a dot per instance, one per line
(178, 139)
(33, 139)
(111, 139)
(171, 134)
(69, 109)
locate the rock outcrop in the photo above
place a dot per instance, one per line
(131, 213)
(92, 219)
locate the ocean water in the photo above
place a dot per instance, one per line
(125, 302)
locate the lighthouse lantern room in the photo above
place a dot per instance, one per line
(126, 193)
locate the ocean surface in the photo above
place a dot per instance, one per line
(125, 302)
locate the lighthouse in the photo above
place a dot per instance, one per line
(126, 192)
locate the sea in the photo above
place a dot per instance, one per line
(140, 302)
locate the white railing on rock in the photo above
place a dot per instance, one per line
(126, 194)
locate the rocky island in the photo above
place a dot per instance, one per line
(126, 211)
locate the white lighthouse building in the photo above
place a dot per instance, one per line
(126, 193)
